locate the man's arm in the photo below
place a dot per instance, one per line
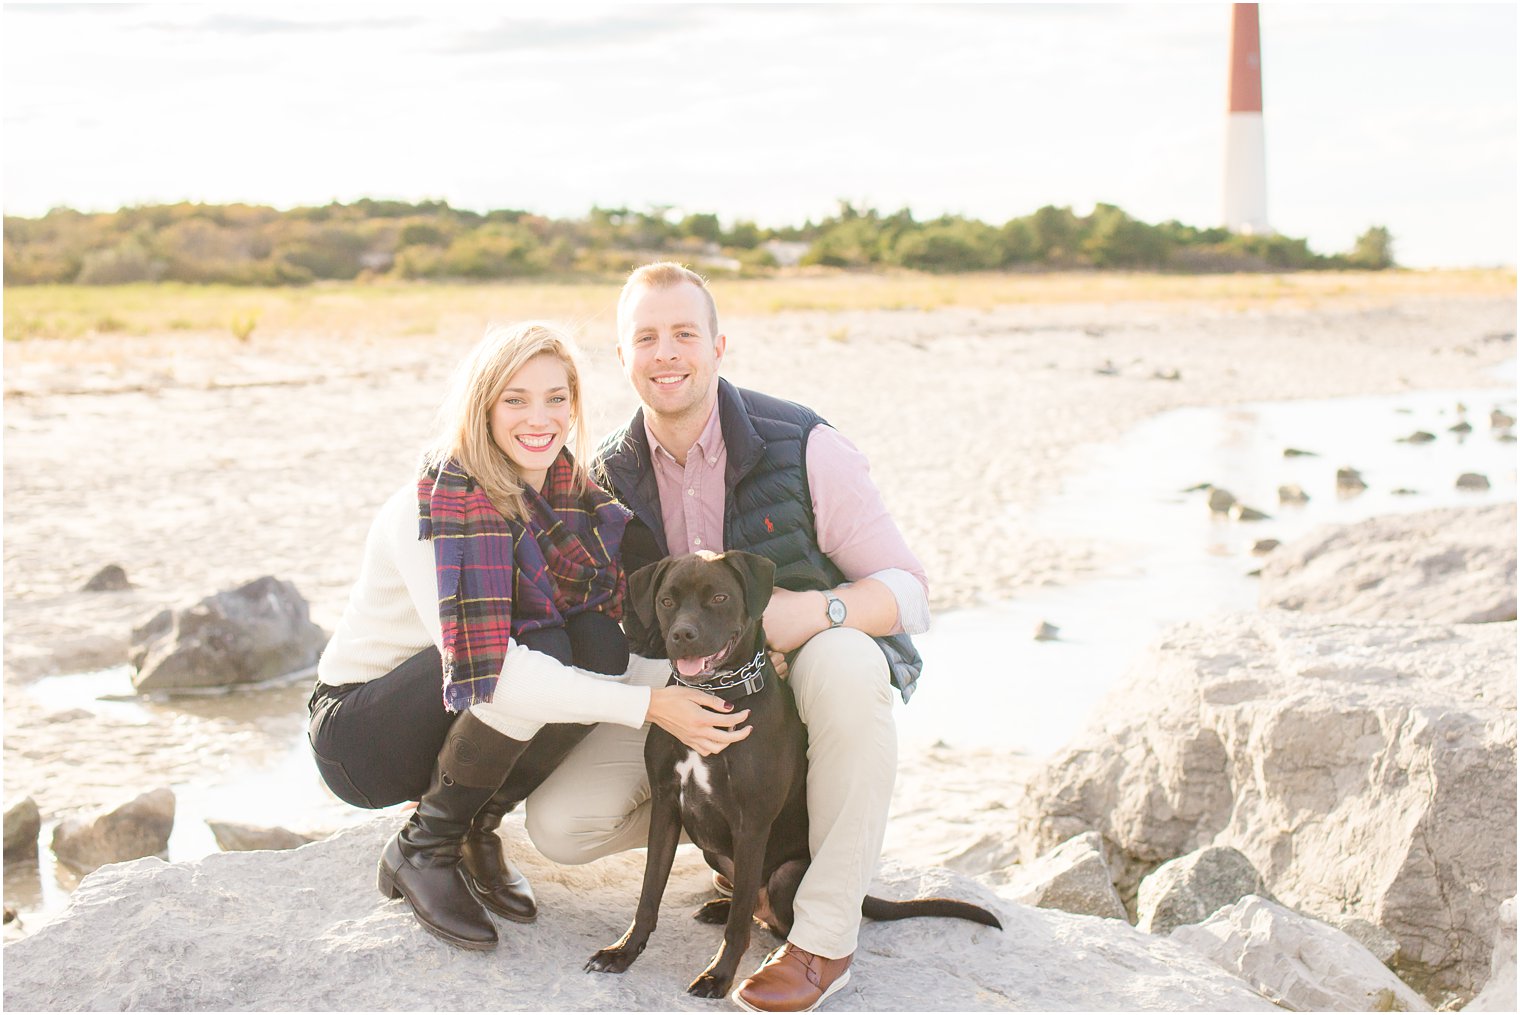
(887, 590)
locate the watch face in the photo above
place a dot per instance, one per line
(836, 611)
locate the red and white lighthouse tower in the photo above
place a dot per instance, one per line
(1245, 154)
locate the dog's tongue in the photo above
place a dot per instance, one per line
(691, 667)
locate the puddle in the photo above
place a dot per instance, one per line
(989, 683)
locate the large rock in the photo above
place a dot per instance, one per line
(23, 823)
(1366, 770)
(259, 631)
(136, 829)
(1499, 995)
(307, 930)
(1301, 964)
(1191, 888)
(1450, 566)
(1073, 878)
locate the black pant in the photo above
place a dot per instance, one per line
(376, 742)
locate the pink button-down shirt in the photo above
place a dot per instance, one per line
(854, 529)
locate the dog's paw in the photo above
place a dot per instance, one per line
(613, 960)
(714, 911)
(710, 985)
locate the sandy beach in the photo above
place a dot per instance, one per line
(198, 463)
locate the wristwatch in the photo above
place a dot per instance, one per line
(836, 609)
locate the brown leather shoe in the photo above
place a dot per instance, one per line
(792, 979)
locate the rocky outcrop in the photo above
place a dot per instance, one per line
(258, 631)
(1301, 964)
(1366, 770)
(137, 828)
(1450, 565)
(1191, 888)
(1499, 995)
(23, 823)
(1073, 878)
(307, 930)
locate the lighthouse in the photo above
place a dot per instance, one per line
(1245, 154)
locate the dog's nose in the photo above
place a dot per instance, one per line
(682, 633)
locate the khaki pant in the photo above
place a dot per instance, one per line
(597, 802)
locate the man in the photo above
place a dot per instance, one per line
(704, 465)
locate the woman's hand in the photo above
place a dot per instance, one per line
(699, 720)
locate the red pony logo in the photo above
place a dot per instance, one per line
(768, 526)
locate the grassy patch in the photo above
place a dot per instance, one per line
(420, 308)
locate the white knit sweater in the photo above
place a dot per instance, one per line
(392, 614)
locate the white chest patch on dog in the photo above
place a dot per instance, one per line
(694, 771)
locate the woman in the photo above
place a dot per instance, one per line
(481, 633)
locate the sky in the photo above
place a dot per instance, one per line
(1375, 114)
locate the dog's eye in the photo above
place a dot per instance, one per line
(667, 602)
(721, 597)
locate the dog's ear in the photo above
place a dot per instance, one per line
(643, 586)
(758, 575)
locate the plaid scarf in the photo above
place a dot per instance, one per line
(500, 577)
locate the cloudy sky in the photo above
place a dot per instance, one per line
(1375, 114)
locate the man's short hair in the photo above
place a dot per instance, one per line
(666, 275)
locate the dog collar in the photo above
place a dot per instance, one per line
(750, 676)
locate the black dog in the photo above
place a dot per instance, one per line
(745, 807)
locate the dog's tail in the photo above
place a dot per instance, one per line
(883, 909)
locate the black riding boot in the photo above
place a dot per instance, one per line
(490, 873)
(421, 863)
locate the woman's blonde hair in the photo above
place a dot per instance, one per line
(464, 419)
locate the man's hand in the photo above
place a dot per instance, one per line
(699, 720)
(778, 660)
(791, 618)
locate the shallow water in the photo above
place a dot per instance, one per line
(988, 682)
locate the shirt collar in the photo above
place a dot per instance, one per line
(708, 441)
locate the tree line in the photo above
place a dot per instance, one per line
(245, 244)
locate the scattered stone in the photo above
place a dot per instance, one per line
(1220, 500)
(257, 632)
(1073, 878)
(1461, 426)
(1167, 374)
(1200, 486)
(1046, 632)
(1191, 888)
(1262, 547)
(1300, 963)
(1107, 369)
(68, 715)
(1299, 453)
(1448, 565)
(1404, 491)
(1418, 437)
(23, 823)
(305, 930)
(1348, 481)
(1500, 336)
(10, 913)
(1472, 481)
(1500, 420)
(1499, 995)
(111, 578)
(1292, 494)
(231, 836)
(136, 829)
(1241, 513)
(1366, 769)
